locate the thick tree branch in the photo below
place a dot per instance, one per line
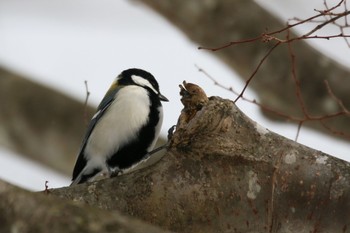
(40, 122)
(222, 173)
(225, 173)
(25, 212)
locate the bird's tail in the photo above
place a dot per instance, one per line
(82, 177)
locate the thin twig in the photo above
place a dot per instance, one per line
(329, 17)
(299, 120)
(298, 130)
(339, 101)
(266, 37)
(255, 71)
(86, 119)
(296, 81)
(216, 83)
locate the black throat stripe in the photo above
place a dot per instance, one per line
(135, 150)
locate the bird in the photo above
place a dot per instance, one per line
(124, 128)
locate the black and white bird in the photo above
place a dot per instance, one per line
(124, 129)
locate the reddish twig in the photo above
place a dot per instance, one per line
(296, 81)
(299, 120)
(255, 71)
(339, 101)
(330, 16)
(216, 83)
(333, 131)
(267, 37)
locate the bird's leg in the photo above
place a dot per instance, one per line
(171, 132)
(113, 172)
(170, 135)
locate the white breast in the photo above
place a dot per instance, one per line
(119, 124)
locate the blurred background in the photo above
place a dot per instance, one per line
(49, 48)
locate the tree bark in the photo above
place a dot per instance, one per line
(26, 212)
(225, 173)
(222, 172)
(216, 23)
(40, 122)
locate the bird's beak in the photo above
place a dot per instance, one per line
(163, 98)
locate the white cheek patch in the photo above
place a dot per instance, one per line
(143, 82)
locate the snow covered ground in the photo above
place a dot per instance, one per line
(61, 43)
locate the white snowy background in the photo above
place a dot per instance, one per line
(61, 43)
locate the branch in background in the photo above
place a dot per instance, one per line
(329, 18)
(255, 71)
(299, 120)
(273, 36)
(39, 122)
(273, 82)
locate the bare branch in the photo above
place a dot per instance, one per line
(86, 117)
(255, 71)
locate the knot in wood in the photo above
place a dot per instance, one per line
(193, 98)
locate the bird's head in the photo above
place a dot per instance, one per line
(140, 78)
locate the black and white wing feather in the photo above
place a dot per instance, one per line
(81, 163)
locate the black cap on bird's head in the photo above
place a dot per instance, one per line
(141, 78)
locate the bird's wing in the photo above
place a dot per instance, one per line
(103, 106)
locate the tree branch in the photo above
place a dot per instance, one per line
(40, 122)
(224, 23)
(23, 211)
(223, 172)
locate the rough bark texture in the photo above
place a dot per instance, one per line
(214, 23)
(40, 122)
(225, 173)
(25, 212)
(221, 173)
